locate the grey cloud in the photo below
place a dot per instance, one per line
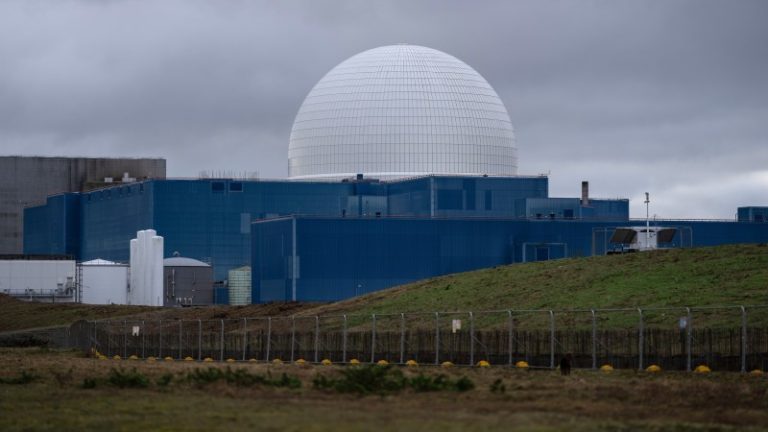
(667, 96)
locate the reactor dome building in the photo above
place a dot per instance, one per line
(400, 111)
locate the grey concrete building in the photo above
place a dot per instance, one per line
(28, 180)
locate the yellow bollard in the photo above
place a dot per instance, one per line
(702, 369)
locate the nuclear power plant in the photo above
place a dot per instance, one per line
(402, 165)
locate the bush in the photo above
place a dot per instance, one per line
(240, 377)
(464, 384)
(127, 379)
(165, 380)
(375, 379)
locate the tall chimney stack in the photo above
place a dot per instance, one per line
(585, 193)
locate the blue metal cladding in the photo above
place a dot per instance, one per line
(752, 214)
(339, 258)
(53, 228)
(111, 217)
(209, 219)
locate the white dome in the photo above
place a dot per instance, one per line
(398, 111)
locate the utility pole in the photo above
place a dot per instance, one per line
(647, 221)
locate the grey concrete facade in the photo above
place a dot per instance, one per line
(28, 180)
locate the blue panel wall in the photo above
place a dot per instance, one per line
(341, 258)
(53, 228)
(110, 218)
(753, 214)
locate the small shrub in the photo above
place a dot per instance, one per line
(127, 379)
(240, 377)
(371, 379)
(287, 381)
(165, 380)
(425, 383)
(464, 384)
(321, 382)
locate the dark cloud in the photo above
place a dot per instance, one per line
(669, 97)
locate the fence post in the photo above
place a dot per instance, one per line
(437, 338)
(125, 340)
(143, 338)
(293, 335)
(551, 339)
(245, 337)
(96, 335)
(471, 339)
(640, 343)
(743, 339)
(160, 342)
(222, 340)
(594, 339)
(373, 338)
(109, 338)
(344, 341)
(181, 329)
(317, 338)
(402, 338)
(199, 340)
(688, 336)
(510, 329)
(269, 337)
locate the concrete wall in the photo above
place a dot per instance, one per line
(27, 181)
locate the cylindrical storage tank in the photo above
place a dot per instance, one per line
(187, 282)
(104, 282)
(240, 286)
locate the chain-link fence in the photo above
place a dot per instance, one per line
(675, 338)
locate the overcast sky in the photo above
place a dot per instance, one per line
(669, 97)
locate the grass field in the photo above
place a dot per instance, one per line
(65, 391)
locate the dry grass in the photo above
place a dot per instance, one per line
(533, 400)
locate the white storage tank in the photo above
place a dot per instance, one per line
(104, 282)
(45, 280)
(240, 286)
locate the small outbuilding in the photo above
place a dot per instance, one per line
(187, 282)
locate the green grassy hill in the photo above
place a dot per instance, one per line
(723, 275)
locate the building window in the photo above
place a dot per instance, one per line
(217, 187)
(235, 187)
